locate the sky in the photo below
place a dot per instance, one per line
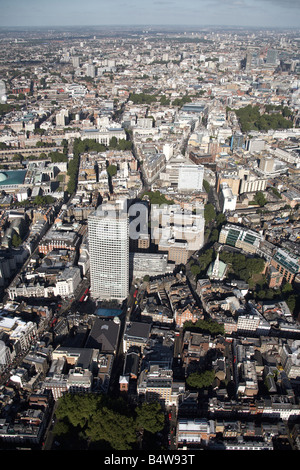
(246, 13)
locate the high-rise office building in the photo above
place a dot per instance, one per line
(91, 70)
(108, 232)
(272, 57)
(267, 164)
(62, 118)
(76, 61)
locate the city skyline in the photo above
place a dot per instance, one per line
(243, 13)
(149, 232)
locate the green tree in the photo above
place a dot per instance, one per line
(142, 98)
(205, 258)
(251, 119)
(260, 199)
(291, 302)
(5, 108)
(276, 192)
(157, 198)
(58, 157)
(43, 200)
(182, 101)
(200, 380)
(113, 427)
(254, 265)
(124, 145)
(95, 419)
(39, 131)
(150, 416)
(44, 144)
(164, 101)
(77, 409)
(242, 266)
(18, 157)
(16, 240)
(112, 170)
(209, 212)
(113, 143)
(206, 186)
(220, 219)
(286, 112)
(214, 236)
(287, 288)
(195, 269)
(61, 428)
(261, 294)
(206, 326)
(73, 166)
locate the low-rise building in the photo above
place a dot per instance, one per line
(240, 237)
(155, 384)
(191, 432)
(68, 281)
(136, 334)
(59, 239)
(286, 264)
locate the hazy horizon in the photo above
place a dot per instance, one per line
(160, 13)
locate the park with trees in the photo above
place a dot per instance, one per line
(251, 118)
(156, 198)
(97, 421)
(199, 380)
(142, 98)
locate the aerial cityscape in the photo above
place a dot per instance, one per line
(150, 230)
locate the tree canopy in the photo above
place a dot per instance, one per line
(57, 157)
(150, 417)
(142, 98)
(16, 240)
(242, 266)
(112, 170)
(120, 144)
(200, 380)
(206, 186)
(5, 108)
(43, 200)
(113, 427)
(157, 198)
(164, 101)
(250, 118)
(182, 101)
(260, 199)
(209, 212)
(103, 422)
(205, 326)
